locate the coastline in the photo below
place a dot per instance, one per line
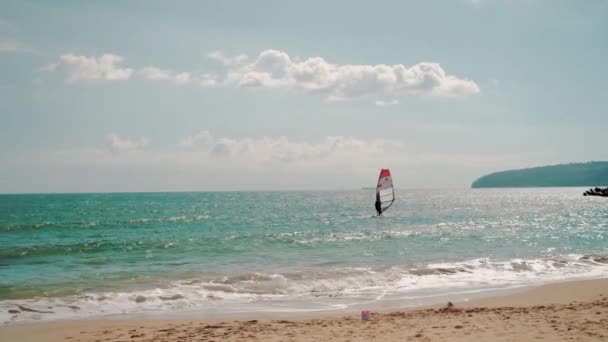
(557, 311)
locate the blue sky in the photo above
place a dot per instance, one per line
(240, 95)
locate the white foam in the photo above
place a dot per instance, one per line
(322, 290)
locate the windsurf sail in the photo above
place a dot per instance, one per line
(385, 192)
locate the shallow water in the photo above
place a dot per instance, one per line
(78, 255)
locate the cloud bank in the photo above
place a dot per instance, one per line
(203, 161)
(203, 149)
(276, 69)
(282, 149)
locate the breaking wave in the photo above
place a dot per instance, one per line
(332, 289)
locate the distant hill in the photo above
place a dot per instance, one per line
(581, 174)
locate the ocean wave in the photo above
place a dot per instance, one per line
(100, 222)
(216, 241)
(26, 226)
(89, 248)
(338, 287)
(322, 237)
(180, 218)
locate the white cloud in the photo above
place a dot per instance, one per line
(382, 103)
(108, 68)
(82, 68)
(227, 61)
(183, 78)
(282, 149)
(118, 144)
(276, 69)
(203, 150)
(154, 73)
(203, 137)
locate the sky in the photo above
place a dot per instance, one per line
(120, 96)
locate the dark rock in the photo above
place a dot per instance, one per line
(596, 192)
(25, 308)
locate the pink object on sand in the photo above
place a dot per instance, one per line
(366, 315)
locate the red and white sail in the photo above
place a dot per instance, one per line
(385, 189)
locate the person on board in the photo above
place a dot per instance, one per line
(378, 204)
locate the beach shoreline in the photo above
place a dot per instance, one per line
(557, 311)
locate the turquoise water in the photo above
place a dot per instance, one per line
(81, 255)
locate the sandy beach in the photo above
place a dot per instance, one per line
(565, 311)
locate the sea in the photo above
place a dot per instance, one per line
(208, 254)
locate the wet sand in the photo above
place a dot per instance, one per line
(569, 311)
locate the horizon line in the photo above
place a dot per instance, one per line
(276, 190)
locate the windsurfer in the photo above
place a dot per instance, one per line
(378, 204)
